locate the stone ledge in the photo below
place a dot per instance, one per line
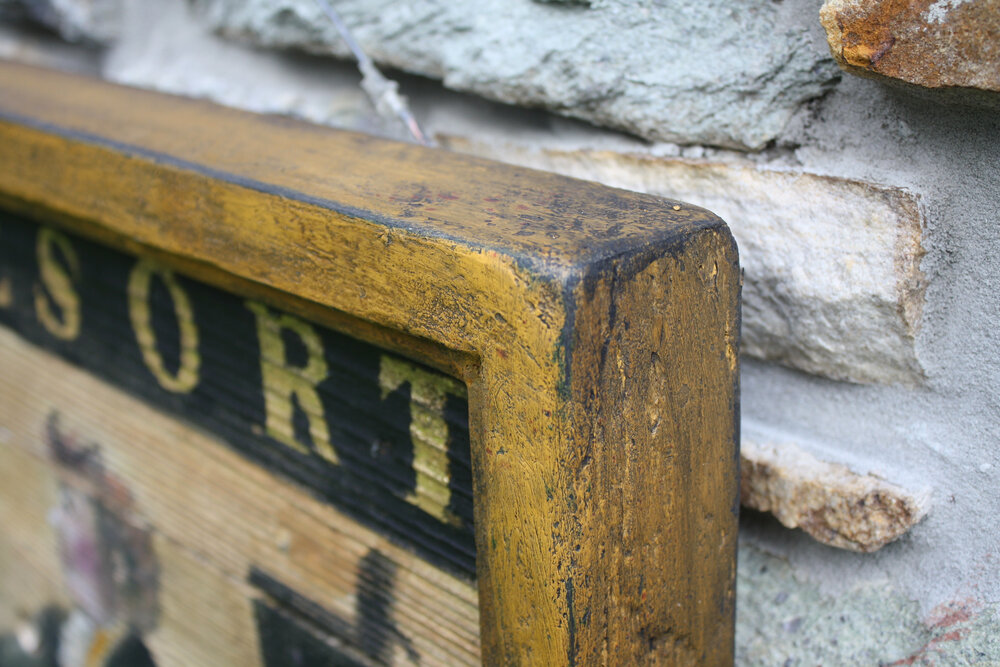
(832, 282)
(830, 502)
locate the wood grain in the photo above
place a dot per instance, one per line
(596, 330)
(382, 438)
(215, 515)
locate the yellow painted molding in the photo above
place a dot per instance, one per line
(596, 330)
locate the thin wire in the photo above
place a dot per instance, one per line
(352, 43)
(384, 92)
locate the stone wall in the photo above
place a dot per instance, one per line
(866, 209)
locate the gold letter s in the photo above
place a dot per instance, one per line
(58, 284)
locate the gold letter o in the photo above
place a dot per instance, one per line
(139, 283)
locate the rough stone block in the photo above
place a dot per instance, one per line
(832, 282)
(95, 21)
(45, 50)
(697, 72)
(935, 44)
(830, 502)
(784, 618)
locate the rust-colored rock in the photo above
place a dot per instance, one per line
(830, 502)
(934, 44)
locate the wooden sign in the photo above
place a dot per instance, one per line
(275, 394)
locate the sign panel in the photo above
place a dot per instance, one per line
(125, 526)
(383, 438)
(234, 483)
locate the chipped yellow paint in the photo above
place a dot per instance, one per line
(139, 283)
(428, 431)
(605, 529)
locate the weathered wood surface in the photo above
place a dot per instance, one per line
(596, 331)
(216, 518)
(382, 438)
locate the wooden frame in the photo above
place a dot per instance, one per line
(596, 330)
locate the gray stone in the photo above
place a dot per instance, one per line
(94, 21)
(164, 48)
(832, 282)
(783, 620)
(712, 72)
(10, 9)
(47, 50)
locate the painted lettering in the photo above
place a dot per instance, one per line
(428, 431)
(6, 292)
(139, 283)
(383, 439)
(283, 381)
(56, 287)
